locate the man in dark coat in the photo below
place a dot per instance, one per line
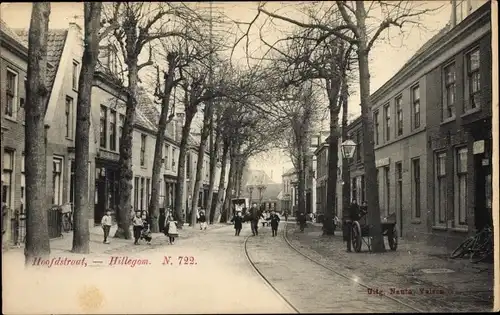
(255, 215)
(275, 221)
(301, 219)
(354, 213)
(238, 223)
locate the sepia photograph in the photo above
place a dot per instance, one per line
(249, 157)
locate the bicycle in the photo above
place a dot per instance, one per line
(475, 244)
(66, 214)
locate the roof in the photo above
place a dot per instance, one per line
(258, 177)
(289, 172)
(151, 113)
(9, 32)
(272, 192)
(55, 47)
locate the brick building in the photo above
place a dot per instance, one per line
(432, 133)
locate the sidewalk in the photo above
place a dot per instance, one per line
(63, 245)
(413, 264)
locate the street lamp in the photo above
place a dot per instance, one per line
(348, 147)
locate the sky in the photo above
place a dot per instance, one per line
(386, 58)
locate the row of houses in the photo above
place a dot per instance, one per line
(432, 134)
(65, 49)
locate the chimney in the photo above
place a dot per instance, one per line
(179, 122)
(453, 13)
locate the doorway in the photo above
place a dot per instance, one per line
(483, 188)
(399, 196)
(100, 196)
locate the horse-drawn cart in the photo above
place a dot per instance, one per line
(361, 232)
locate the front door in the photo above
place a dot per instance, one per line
(100, 197)
(483, 190)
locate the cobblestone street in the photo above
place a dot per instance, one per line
(220, 278)
(466, 287)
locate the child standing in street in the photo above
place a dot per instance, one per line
(171, 227)
(137, 226)
(106, 223)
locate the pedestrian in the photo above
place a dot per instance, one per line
(238, 223)
(255, 215)
(286, 215)
(275, 221)
(302, 221)
(354, 212)
(137, 224)
(171, 229)
(106, 223)
(203, 220)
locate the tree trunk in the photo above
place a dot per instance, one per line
(207, 116)
(301, 183)
(346, 176)
(126, 175)
(214, 149)
(81, 234)
(372, 197)
(37, 236)
(226, 208)
(222, 181)
(333, 160)
(181, 168)
(153, 207)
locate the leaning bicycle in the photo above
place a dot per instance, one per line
(478, 247)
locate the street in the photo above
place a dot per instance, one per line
(208, 272)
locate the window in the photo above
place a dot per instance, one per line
(354, 192)
(375, 118)
(143, 150)
(461, 186)
(399, 187)
(363, 190)
(416, 188)
(148, 195)
(415, 100)
(103, 119)
(449, 94)
(188, 165)
(358, 146)
(7, 176)
(399, 112)
(112, 130)
(387, 189)
(473, 84)
(387, 113)
(136, 193)
(57, 183)
(120, 129)
(441, 187)
(10, 93)
(75, 75)
(69, 117)
(167, 161)
(174, 157)
(23, 182)
(142, 194)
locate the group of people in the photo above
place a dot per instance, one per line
(254, 215)
(141, 227)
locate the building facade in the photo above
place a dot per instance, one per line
(432, 134)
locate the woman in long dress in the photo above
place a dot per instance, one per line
(171, 229)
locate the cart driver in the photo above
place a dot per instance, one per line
(354, 212)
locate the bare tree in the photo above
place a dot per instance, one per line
(166, 115)
(37, 235)
(95, 30)
(355, 27)
(214, 156)
(140, 25)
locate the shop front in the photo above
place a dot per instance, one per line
(107, 192)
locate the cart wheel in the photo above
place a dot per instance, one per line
(356, 236)
(392, 237)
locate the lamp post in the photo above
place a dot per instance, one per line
(261, 188)
(347, 148)
(250, 192)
